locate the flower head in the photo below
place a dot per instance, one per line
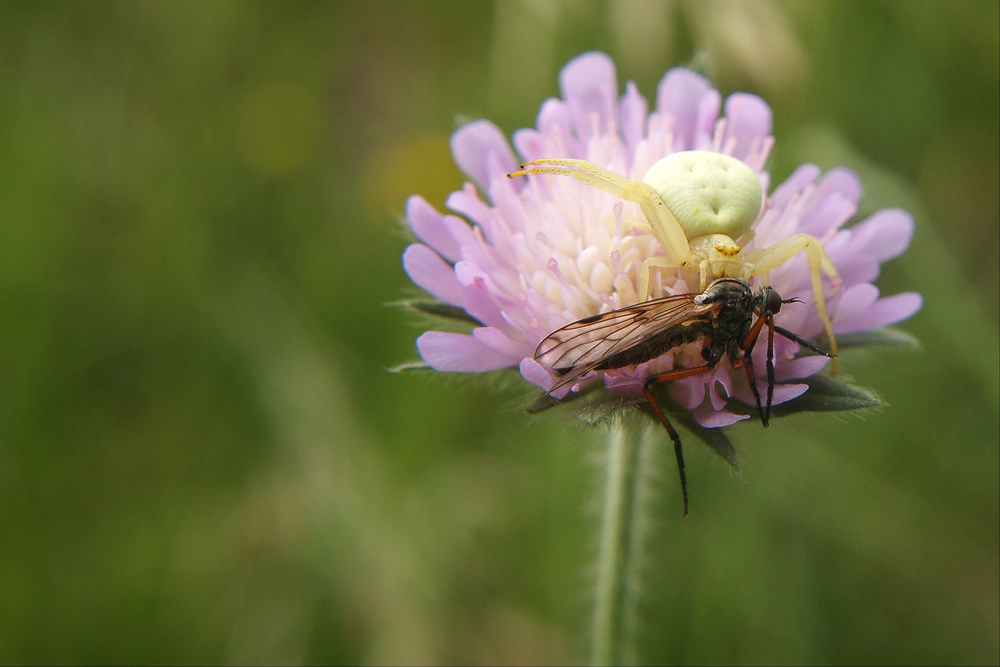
(529, 256)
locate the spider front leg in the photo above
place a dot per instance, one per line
(769, 258)
(645, 272)
(662, 222)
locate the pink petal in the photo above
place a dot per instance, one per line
(884, 235)
(470, 273)
(633, 109)
(443, 233)
(802, 367)
(855, 265)
(786, 392)
(481, 305)
(705, 119)
(483, 298)
(853, 301)
(689, 392)
(882, 313)
(711, 418)
(498, 340)
(794, 184)
(522, 327)
(748, 124)
(474, 144)
(459, 353)
(716, 399)
(679, 98)
(721, 379)
(589, 85)
(530, 145)
(431, 273)
(554, 122)
(782, 393)
(623, 384)
(828, 212)
(467, 202)
(844, 181)
(536, 374)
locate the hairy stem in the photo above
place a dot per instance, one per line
(618, 558)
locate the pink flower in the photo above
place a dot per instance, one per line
(525, 258)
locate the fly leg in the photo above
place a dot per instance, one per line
(678, 451)
(747, 363)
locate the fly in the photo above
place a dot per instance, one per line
(722, 317)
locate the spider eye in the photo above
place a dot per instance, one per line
(772, 301)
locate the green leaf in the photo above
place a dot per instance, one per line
(715, 438)
(545, 402)
(825, 394)
(886, 336)
(594, 392)
(438, 309)
(407, 366)
(889, 336)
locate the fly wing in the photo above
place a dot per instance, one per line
(578, 348)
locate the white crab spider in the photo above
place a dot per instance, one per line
(698, 204)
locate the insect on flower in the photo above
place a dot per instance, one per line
(722, 317)
(699, 205)
(521, 258)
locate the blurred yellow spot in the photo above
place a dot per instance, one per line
(419, 165)
(278, 127)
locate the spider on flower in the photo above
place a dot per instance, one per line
(700, 205)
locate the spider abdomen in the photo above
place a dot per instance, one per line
(708, 192)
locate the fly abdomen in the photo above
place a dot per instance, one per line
(657, 345)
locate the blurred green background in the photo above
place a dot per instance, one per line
(203, 458)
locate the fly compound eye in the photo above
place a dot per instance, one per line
(772, 301)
